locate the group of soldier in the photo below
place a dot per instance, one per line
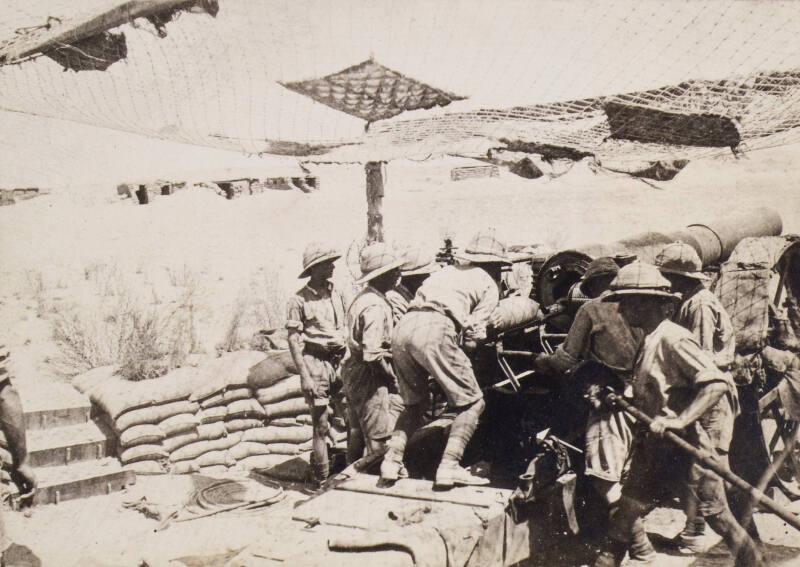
(412, 320)
(655, 327)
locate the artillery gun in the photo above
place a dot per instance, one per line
(757, 273)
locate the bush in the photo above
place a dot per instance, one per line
(144, 340)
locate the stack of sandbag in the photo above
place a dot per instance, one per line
(244, 409)
(286, 433)
(181, 422)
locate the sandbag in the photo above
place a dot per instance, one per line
(277, 366)
(304, 419)
(242, 409)
(92, 378)
(180, 423)
(229, 371)
(210, 415)
(297, 435)
(513, 312)
(208, 431)
(248, 449)
(234, 425)
(214, 469)
(283, 449)
(289, 388)
(213, 458)
(154, 414)
(116, 396)
(287, 408)
(285, 422)
(194, 450)
(146, 467)
(142, 453)
(226, 396)
(6, 460)
(145, 434)
(184, 467)
(175, 442)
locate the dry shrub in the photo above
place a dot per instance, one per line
(144, 340)
(260, 306)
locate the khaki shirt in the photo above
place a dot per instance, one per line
(318, 315)
(705, 317)
(369, 326)
(466, 294)
(399, 297)
(600, 333)
(670, 370)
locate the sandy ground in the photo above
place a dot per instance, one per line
(78, 251)
(98, 531)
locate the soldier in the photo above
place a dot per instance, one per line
(599, 333)
(449, 315)
(677, 383)
(702, 314)
(415, 269)
(13, 426)
(367, 373)
(315, 321)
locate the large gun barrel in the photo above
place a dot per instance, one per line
(713, 242)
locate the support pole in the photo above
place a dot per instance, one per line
(374, 171)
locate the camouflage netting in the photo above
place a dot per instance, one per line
(619, 82)
(749, 282)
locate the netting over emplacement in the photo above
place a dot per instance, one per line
(365, 80)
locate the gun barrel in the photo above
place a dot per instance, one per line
(713, 242)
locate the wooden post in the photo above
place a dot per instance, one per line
(374, 201)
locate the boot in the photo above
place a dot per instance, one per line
(450, 474)
(318, 474)
(641, 549)
(611, 555)
(392, 468)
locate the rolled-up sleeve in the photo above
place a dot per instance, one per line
(696, 364)
(578, 340)
(375, 335)
(294, 314)
(488, 300)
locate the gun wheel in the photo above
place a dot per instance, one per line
(780, 436)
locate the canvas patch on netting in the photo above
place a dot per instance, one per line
(745, 296)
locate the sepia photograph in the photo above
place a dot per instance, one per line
(399, 283)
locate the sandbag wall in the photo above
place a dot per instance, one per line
(243, 410)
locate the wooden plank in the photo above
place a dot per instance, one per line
(422, 490)
(767, 399)
(374, 171)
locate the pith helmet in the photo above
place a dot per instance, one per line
(639, 278)
(681, 259)
(377, 259)
(599, 267)
(485, 248)
(418, 262)
(316, 253)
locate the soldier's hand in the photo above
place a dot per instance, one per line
(495, 319)
(660, 425)
(308, 387)
(27, 479)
